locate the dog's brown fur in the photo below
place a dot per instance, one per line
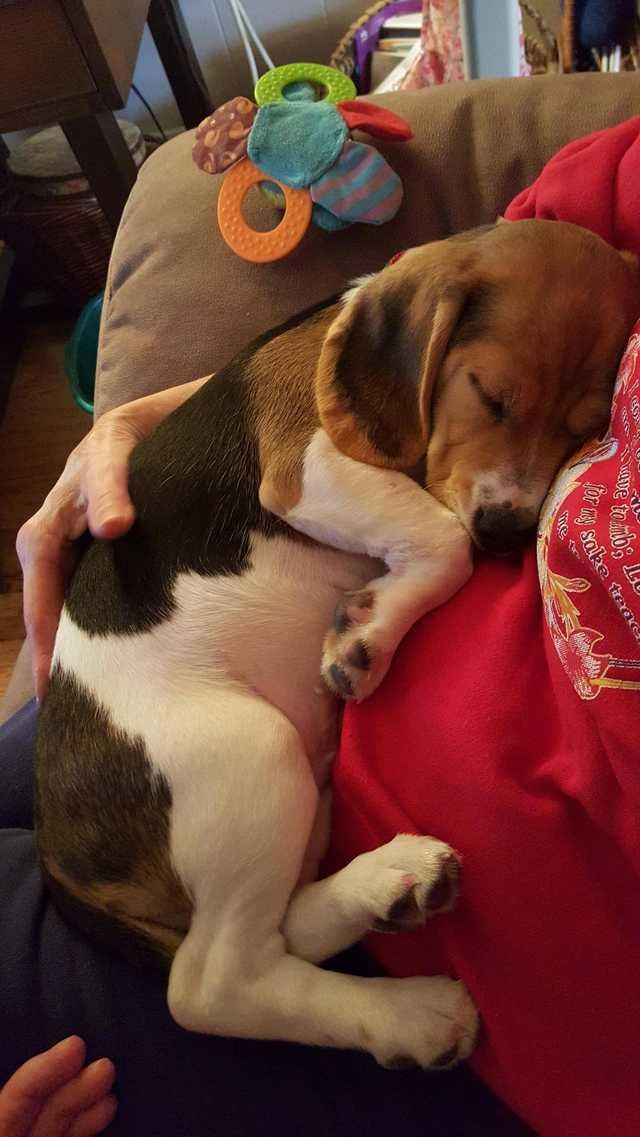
(415, 365)
(538, 311)
(130, 881)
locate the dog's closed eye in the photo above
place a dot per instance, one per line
(495, 407)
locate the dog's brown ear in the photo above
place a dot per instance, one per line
(631, 258)
(377, 368)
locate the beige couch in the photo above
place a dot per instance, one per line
(179, 303)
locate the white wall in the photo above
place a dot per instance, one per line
(290, 29)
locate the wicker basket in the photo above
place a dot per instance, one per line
(541, 53)
(53, 223)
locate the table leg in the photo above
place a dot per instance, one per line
(174, 46)
(4, 154)
(104, 158)
(11, 329)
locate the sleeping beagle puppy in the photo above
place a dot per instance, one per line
(333, 476)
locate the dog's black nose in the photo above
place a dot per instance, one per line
(501, 528)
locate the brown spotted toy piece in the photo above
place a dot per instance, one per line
(221, 139)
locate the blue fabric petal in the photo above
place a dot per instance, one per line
(326, 220)
(297, 142)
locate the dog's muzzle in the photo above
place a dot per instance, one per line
(502, 529)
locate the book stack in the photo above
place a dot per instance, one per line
(398, 44)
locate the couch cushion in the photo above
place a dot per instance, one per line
(179, 303)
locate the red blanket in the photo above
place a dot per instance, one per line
(510, 727)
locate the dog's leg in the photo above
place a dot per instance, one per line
(232, 974)
(385, 514)
(390, 889)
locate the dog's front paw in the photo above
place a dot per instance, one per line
(438, 1029)
(354, 658)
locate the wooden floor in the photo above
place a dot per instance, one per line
(41, 426)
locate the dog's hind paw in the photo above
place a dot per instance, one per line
(401, 884)
(430, 889)
(436, 1028)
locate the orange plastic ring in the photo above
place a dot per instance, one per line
(248, 243)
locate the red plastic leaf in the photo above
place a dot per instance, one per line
(374, 120)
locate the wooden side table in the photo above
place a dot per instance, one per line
(72, 62)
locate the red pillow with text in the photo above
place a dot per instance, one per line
(509, 726)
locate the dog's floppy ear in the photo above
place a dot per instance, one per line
(378, 365)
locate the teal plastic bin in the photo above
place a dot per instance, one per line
(81, 354)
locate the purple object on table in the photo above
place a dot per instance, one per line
(366, 38)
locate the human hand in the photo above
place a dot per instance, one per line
(55, 1095)
(91, 492)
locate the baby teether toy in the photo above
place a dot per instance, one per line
(249, 243)
(295, 141)
(270, 87)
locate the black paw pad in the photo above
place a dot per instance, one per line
(445, 887)
(341, 681)
(446, 1059)
(401, 1062)
(359, 656)
(405, 910)
(403, 913)
(341, 620)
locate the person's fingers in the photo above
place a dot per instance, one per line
(43, 597)
(23, 1096)
(86, 1090)
(47, 555)
(105, 478)
(93, 491)
(96, 1119)
(109, 445)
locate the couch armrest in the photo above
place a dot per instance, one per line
(179, 303)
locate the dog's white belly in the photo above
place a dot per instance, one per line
(259, 633)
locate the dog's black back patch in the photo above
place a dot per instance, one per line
(195, 485)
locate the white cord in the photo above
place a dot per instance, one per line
(251, 59)
(246, 29)
(254, 35)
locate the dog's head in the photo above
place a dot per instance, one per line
(494, 353)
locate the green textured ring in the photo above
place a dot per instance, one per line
(269, 87)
